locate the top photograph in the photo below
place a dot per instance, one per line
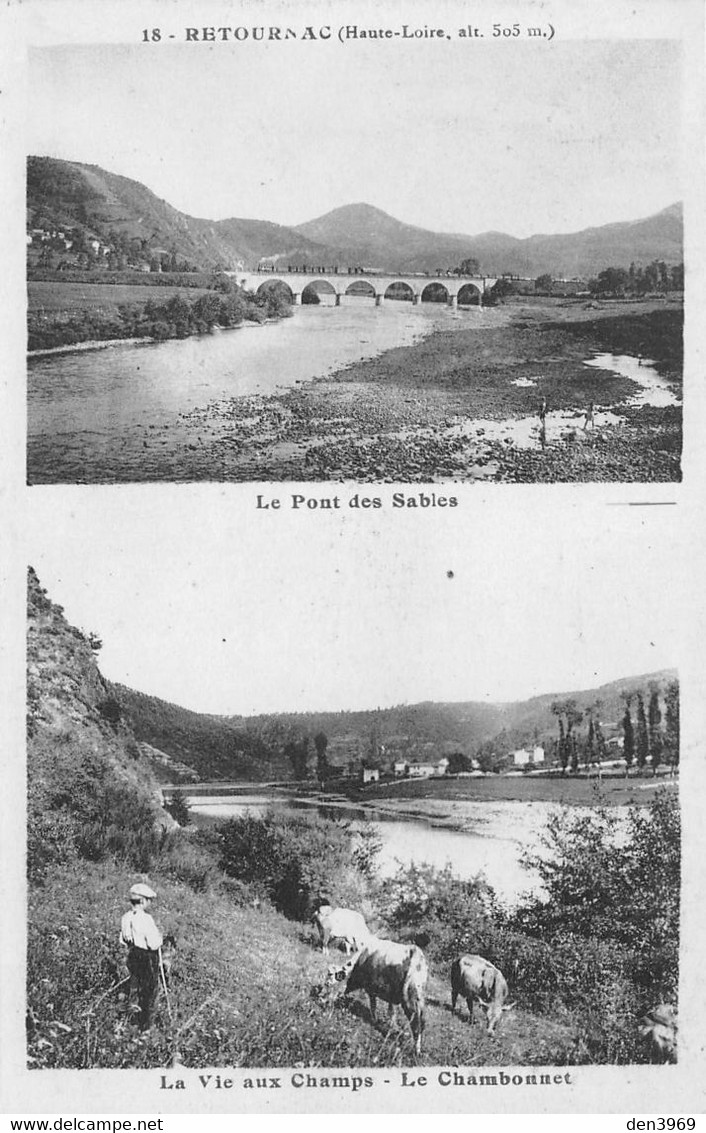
(392, 254)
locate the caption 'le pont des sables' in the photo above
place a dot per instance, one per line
(358, 501)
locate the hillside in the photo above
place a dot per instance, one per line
(85, 768)
(658, 237)
(253, 748)
(64, 194)
(374, 238)
(370, 237)
(213, 746)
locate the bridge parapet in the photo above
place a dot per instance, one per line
(340, 282)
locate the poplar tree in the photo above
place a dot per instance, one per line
(643, 739)
(628, 739)
(654, 719)
(671, 722)
(322, 764)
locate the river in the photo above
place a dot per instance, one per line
(492, 841)
(98, 415)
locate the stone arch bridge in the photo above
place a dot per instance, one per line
(458, 288)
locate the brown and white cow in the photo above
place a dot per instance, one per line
(658, 1030)
(341, 924)
(395, 973)
(477, 979)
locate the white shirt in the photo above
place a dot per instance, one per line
(138, 928)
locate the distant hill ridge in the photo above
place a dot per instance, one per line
(240, 747)
(65, 193)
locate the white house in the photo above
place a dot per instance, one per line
(370, 775)
(421, 770)
(428, 770)
(523, 756)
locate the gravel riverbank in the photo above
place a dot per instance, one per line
(461, 404)
(433, 411)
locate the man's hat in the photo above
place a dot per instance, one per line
(141, 890)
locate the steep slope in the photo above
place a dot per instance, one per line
(211, 746)
(85, 769)
(68, 193)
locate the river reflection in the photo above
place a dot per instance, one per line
(492, 842)
(150, 384)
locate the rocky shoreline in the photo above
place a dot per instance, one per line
(428, 412)
(461, 404)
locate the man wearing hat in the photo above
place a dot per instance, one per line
(143, 940)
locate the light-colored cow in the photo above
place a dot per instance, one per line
(341, 924)
(477, 979)
(658, 1030)
(395, 973)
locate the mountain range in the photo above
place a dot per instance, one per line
(62, 194)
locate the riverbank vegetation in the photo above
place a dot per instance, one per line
(62, 314)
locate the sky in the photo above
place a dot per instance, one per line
(206, 602)
(516, 137)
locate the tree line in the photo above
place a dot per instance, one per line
(180, 316)
(652, 740)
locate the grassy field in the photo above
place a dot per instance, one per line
(247, 989)
(72, 298)
(608, 791)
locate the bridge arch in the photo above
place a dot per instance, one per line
(362, 287)
(400, 289)
(469, 295)
(435, 292)
(319, 288)
(275, 284)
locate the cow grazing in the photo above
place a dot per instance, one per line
(658, 1030)
(396, 973)
(477, 979)
(341, 924)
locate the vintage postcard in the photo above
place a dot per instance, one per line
(352, 498)
(407, 250)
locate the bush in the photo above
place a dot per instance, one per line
(615, 886)
(291, 860)
(51, 838)
(183, 857)
(455, 914)
(179, 809)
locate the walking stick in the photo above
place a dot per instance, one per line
(164, 985)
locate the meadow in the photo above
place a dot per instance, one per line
(51, 298)
(571, 790)
(249, 984)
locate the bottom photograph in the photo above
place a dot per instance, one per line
(488, 880)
